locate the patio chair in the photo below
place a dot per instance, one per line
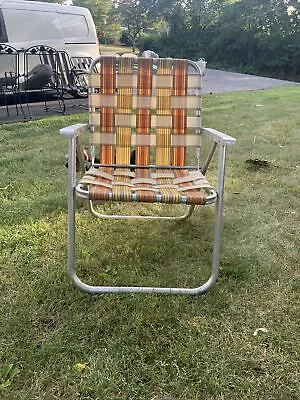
(9, 79)
(73, 74)
(41, 76)
(151, 106)
(80, 66)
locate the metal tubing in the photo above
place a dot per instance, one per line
(84, 194)
(209, 157)
(138, 289)
(71, 206)
(135, 166)
(148, 217)
(218, 216)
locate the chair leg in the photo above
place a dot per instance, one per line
(218, 224)
(71, 208)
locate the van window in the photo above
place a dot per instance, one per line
(33, 25)
(38, 25)
(73, 25)
(3, 35)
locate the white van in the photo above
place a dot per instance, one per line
(65, 28)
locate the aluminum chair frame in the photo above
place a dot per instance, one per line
(219, 139)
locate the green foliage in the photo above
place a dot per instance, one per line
(135, 18)
(250, 35)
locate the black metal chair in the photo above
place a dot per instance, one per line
(81, 65)
(73, 74)
(41, 76)
(9, 79)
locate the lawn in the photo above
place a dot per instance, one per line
(67, 345)
(110, 49)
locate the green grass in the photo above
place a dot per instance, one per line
(142, 346)
(112, 49)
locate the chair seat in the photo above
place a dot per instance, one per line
(147, 185)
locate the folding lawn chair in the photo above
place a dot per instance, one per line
(151, 107)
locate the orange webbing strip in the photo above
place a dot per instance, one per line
(143, 124)
(107, 115)
(143, 115)
(179, 127)
(108, 76)
(144, 87)
(180, 78)
(194, 196)
(143, 127)
(179, 120)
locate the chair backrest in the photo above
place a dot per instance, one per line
(59, 61)
(139, 103)
(70, 72)
(65, 71)
(41, 55)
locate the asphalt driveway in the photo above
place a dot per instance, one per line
(214, 81)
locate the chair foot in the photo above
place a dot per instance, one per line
(137, 289)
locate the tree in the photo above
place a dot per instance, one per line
(135, 18)
(257, 34)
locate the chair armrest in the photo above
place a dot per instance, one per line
(219, 137)
(73, 131)
(76, 149)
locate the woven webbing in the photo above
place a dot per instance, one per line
(178, 186)
(140, 103)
